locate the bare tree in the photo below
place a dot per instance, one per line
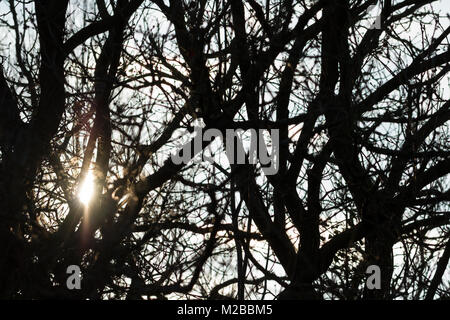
(95, 96)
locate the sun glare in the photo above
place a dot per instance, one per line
(86, 189)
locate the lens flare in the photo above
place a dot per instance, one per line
(86, 189)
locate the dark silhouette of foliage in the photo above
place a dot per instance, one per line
(104, 88)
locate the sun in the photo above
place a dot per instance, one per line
(86, 189)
